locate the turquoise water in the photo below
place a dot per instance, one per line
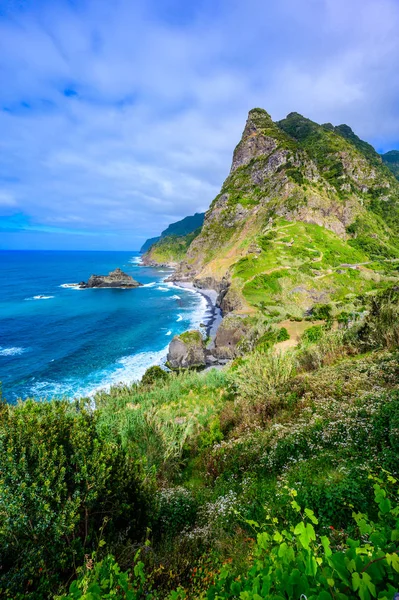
(73, 342)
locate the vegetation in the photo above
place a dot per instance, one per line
(391, 159)
(274, 478)
(179, 229)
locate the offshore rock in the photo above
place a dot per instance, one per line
(187, 351)
(115, 279)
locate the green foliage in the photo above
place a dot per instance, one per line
(380, 329)
(177, 510)
(322, 311)
(154, 374)
(299, 561)
(191, 337)
(61, 481)
(157, 422)
(391, 159)
(313, 334)
(104, 580)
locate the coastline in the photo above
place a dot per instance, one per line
(214, 318)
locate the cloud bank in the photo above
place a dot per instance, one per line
(117, 118)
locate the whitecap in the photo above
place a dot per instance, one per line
(125, 371)
(40, 297)
(162, 289)
(151, 284)
(179, 318)
(169, 332)
(70, 285)
(136, 260)
(175, 297)
(15, 351)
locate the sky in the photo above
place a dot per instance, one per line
(120, 117)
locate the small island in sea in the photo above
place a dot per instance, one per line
(114, 279)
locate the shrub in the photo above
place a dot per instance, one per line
(154, 374)
(60, 482)
(298, 561)
(177, 510)
(313, 334)
(326, 351)
(381, 326)
(322, 311)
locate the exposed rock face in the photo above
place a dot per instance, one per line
(254, 143)
(187, 351)
(115, 279)
(230, 333)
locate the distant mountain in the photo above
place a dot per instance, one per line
(148, 243)
(391, 159)
(180, 228)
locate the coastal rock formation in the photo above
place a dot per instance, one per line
(115, 279)
(228, 337)
(187, 351)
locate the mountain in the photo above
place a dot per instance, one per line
(391, 159)
(308, 214)
(180, 228)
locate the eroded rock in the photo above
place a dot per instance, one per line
(187, 351)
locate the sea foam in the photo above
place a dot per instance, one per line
(15, 351)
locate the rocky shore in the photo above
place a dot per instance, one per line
(223, 335)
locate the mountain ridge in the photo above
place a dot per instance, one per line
(179, 228)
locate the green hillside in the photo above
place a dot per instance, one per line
(391, 159)
(180, 229)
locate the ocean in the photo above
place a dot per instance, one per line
(58, 341)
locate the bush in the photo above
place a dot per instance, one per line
(381, 326)
(153, 375)
(298, 561)
(177, 510)
(60, 484)
(313, 334)
(322, 311)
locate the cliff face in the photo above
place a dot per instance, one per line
(301, 200)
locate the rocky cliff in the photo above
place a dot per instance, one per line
(308, 214)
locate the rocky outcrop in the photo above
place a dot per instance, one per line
(187, 351)
(231, 332)
(115, 279)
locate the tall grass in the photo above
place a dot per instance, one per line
(260, 375)
(158, 420)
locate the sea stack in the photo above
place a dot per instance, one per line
(115, 279)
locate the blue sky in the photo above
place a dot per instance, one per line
(119, 117)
